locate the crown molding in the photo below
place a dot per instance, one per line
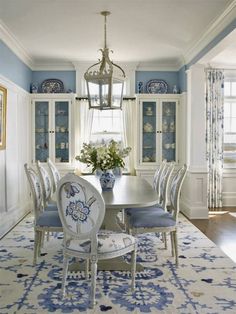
(10, 40)
(174, 65)
(215, 29)
(53, 66)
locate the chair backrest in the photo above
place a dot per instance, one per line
(175, 189)
(81, 207)
(36, 189)
(164, 183)
(55, 174)
(157, 176)
(45, 182)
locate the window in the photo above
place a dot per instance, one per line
(107, 125)
(230, 124)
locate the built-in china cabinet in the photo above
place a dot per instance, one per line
(52, 128)
(157, 130)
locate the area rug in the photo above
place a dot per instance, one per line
(204, 281)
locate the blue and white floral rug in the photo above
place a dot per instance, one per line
(204, 282)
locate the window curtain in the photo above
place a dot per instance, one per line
(128, 116)
(214, 135)
(85, 118)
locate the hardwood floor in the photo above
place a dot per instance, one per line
(221, 229)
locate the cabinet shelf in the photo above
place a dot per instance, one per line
(52, 125)
(149, 132)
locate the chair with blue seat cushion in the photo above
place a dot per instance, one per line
(163, 183)
(161, 220)
(55, 174)
(44, 221)
(46, 187)
(82, 209)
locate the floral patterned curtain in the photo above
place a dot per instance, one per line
(214, 135)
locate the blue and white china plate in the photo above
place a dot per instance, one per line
(157, 87)
(52, 86)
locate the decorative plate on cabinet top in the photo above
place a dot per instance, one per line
(157, 87)
(52, 86)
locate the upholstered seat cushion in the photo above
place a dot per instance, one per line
(130, 211)
(108, 242)
(49, 219)
(153, 219)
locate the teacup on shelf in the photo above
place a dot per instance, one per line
(148, 127)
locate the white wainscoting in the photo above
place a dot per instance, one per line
(14, 192)
(229, 188)
(193, 202)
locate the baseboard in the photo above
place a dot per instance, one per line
(11, 219)
(193, 212)
(229, 199)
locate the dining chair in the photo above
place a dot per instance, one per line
(46, 184)
(44, 221)
(161, 220)
(82, 209)
(55, 174)
(157, 178)
(163, 185)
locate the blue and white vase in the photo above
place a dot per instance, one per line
(107, 180)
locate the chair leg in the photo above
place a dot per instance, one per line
(36, 244)
(41, 236)
(133, 268)
(86, 268)
(64, 275)
(175, 238)
(93, 281)
(164, 239)
(172, 243)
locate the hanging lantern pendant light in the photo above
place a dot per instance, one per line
(105, 80)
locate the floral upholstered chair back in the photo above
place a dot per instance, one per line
(45, 182)
(81, 207)
(54, 174)
(164, 183)
(36, 189)
(175, 189)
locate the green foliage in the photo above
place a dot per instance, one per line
(103, 157)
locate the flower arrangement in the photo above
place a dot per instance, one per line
(104, 157)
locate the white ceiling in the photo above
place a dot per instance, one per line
(151, 31)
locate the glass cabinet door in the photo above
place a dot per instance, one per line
(169, 130)
(149, 127)
(62, 131)
(41, 130)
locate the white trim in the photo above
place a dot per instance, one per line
(160, 66)
(214, 29)
(10, 40)
(53, 66)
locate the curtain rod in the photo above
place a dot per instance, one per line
(86, 98)
(224, 69)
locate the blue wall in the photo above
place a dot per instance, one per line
(182, 78)
(170, 77)
(13, 68)
(67, 77)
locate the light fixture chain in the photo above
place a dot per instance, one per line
(105, 32)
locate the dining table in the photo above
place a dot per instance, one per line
(128, 192)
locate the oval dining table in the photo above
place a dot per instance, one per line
(128, 192)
